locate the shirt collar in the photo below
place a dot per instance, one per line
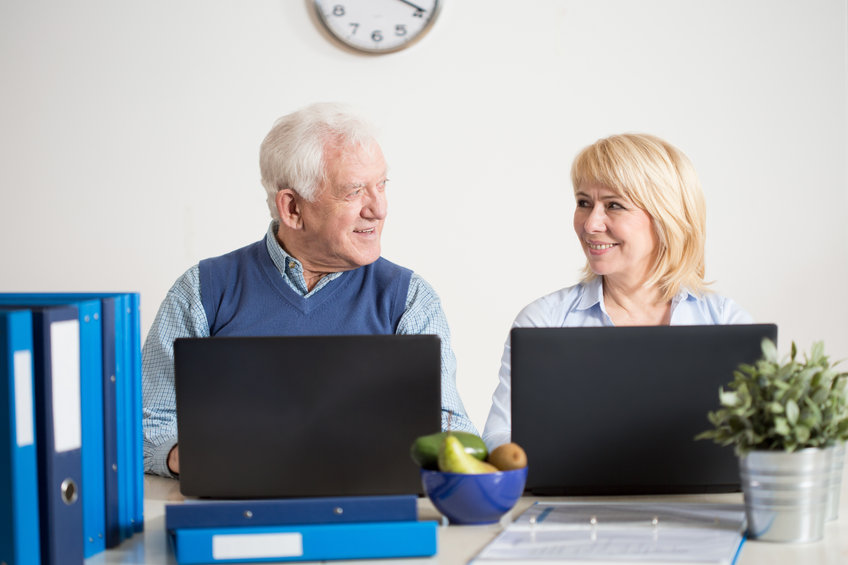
(593, 295)
(290, 268)
(276, 251)
(682, 295)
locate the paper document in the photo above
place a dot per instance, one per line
(597, 533)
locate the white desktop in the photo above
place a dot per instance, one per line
(459, 544)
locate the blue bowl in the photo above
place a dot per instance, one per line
(474, 499)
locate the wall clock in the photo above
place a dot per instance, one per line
(377, 26)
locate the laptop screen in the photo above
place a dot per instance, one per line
(304, 416)
(614, 410)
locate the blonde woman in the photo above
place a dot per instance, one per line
(640, 218)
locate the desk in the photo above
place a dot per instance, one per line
(458, 544)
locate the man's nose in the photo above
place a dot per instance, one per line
(376, 205)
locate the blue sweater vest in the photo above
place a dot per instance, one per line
(244, 294)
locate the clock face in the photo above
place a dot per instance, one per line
(377, 26)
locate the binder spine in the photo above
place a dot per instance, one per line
(137, 455)
(19, 527)
(366, 540)
(91, 402)
(111, 341)
(296, 511)
(58, 435)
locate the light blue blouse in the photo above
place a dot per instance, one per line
(583, 305)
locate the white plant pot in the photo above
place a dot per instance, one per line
(835, 483)
(786, 494)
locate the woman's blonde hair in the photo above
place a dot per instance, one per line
(660, 179)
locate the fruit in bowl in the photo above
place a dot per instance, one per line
(425, 450)
(470, 485)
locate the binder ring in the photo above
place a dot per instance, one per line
(70, 492)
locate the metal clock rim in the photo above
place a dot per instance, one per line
(325, 26)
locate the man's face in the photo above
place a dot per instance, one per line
(342, 227)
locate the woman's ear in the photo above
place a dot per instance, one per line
(288, 207)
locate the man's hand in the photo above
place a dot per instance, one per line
(174, 460)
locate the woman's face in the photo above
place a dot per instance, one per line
(617, 237)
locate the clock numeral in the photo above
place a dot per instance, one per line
(388, 26)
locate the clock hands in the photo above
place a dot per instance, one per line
(385, 28)
(419, 8)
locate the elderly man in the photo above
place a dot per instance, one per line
(318, 269)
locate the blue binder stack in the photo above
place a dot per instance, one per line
(91, 432)
(305, 529)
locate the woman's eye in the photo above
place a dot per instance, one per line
(615, 206)
(582, 203)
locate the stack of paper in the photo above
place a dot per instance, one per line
(85, 404)
(600, 533)
(305, 529)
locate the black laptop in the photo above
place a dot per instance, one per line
(614, 410)
(304, 416)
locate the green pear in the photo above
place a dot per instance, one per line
(425, 449)
(454, 459)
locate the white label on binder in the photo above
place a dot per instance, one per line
(257, 546)
(65, 364)
(24, 420)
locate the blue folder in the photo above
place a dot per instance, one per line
(124, 414)
(137, 455)
(282, 511)
(56, 346)
(125, 390)
(118, 422)
(315, 542)
(123, 488)
(91, 403)
(111, 339)
(19, 530)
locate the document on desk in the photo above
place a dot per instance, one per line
(600, 532)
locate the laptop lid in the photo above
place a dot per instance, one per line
(614, 410)
(304, 416)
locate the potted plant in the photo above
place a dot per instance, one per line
(788, 422)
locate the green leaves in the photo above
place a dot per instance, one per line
(792, 411)
(770, 351)
(789, 405)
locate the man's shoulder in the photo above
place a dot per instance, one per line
(385, 267)
(236, 253)
(231, 261)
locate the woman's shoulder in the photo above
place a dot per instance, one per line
(551, 309)
(711, 308)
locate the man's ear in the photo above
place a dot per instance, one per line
(288, 207)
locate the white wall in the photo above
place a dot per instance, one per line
(129, 134)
